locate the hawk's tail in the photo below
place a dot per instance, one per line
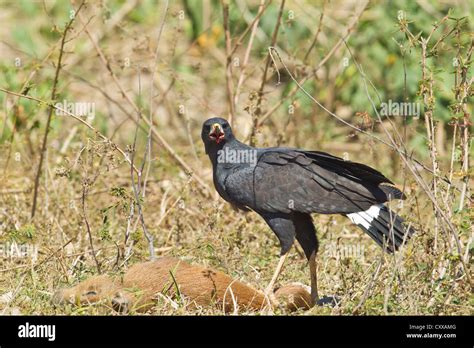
(383, 226)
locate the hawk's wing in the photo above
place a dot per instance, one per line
(286, 180)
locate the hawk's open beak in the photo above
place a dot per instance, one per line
(217, 133)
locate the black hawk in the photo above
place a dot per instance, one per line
(285, 186)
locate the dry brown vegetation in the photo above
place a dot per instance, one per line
(167, 69)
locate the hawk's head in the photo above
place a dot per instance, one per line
(215, 133)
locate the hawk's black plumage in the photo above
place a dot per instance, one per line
(286, 185)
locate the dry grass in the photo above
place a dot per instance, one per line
(85, 180)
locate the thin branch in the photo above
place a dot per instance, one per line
(333, 50)
(417, 177)
(368, 288)
(249, 27)
(50, 114)
(306, 56)
(228, 64)
(261, 8)
(204, 187)
(77, 118)
(258, 109)
(88, 228)
(362, 131)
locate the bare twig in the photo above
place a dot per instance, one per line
(77, 118)
(465, 87)
(249, 27)
(110, 25)
(205, 188)
(138, 189)
(247, 52)
(427, 93)
(228, 65)
(137, 186)
(24, 90)
(258, 109)
(368, 288)
(333, 50)
(50, 114)
(362, 131)
(88, 228)
(408, 162)
(306, 56)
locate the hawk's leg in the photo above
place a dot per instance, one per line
(287, 227)
(284, 228)
(306, 236)
(314, 278)
(269, 289)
